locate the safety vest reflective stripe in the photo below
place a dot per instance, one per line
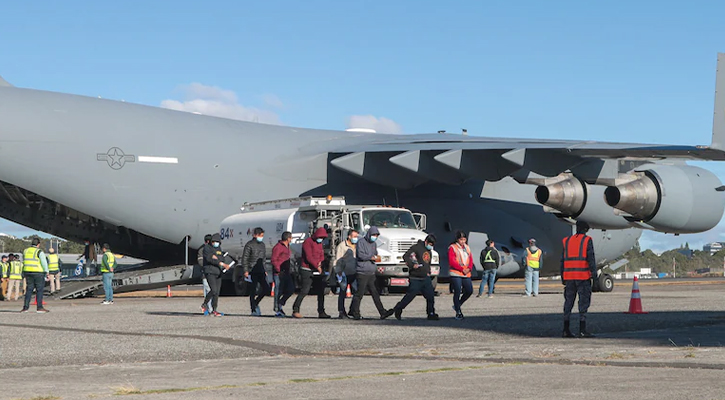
(110, 262)
(488, 258)
(459, 257)
(576, 267)
(31, 261)
(532, 259)
(16, 270)
(53, 263)
(4, 269)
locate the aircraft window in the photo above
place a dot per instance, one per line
(389, 219)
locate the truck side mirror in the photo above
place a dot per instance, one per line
(421, 221)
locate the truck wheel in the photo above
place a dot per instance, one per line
(606, 283)
(381, 286)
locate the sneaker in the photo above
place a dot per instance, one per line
(459, 316)
(478, 295)
(490, 296)
(42, 311)
(343, 315)
(217, 314)
(387, 313)
(323, 315)
(280, 314)
(204, 310)
(296, 314)
(433, 317)
(398, 314)
(104, 302)
(256, 312)
(350, 315)
(24, 310)
(357, 317)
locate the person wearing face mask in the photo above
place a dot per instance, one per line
(313, 254)
(213, 266)
(284, 286)
(418, 258)
(200, 261)
(253, 256)
(533, 266)
(460, 262)
(345, 268)
(366, 256)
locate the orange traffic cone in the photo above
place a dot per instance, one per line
(35, 302)
(635, 303)
(349, 293)
(272, 293)
(168, 290)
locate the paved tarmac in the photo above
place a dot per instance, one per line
(507, 347)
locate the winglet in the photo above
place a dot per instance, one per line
(3, 82)
(718, 120)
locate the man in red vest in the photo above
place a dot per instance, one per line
(578, 267)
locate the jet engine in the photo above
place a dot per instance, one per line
(572, 198)
(669, 198)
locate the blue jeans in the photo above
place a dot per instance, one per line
(352, 281)
(461, 284)
(531, 281)
(489, 277)
(108, 285)
(207, 289)
(284, 288)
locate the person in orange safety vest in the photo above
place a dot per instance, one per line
(578, 267)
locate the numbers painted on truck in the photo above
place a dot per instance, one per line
(226, 233)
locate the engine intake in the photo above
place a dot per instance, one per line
(669, 198)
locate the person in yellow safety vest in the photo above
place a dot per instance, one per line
(108, 265)
(15, 277)
(54, 270)
(4, 267)
(35, 271)
(533, 266)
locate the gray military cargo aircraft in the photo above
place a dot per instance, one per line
(143, 178)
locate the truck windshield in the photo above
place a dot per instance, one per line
(389, 219)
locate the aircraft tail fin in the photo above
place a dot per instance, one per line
(3, 82)
(718, 120)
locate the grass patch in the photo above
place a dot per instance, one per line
(127, 391)
(40, 398)
(690, 355)
(305, 380)
(616, 356)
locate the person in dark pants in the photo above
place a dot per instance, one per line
(35, 271)
(311, 273)
(460, 261)
(418, 258)
(345, 268)
(578, 267)
(253, 256)
(367, 255)
(214, 266)
(284, 286)
(490, 261)
(200, 262)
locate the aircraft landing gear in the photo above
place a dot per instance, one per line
(605, 283)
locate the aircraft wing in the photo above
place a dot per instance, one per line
(406, 161)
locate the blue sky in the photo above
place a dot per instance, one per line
(618, 71)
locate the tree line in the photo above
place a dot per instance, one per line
(17, 245)
(682, 260)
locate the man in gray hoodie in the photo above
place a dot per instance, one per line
(367, 257)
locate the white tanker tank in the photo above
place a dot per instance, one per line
(399, 230)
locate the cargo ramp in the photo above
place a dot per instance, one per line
(144, 279)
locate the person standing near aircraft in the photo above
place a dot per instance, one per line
(200, 262)
(345, 265)
(53, 270)
(366, 255)
(4, 269)
(35, 271)
(490, 261)
(213, 267)
(578, 267)
(533, 266)
(418, 258)
(253, 256)
(108, 266)
(15, 277)
(313, 254)
(284, 286)
(460, 262)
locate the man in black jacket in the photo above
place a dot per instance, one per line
(418, 258)
(204, 281)
(253, 256)
(490, 260)
(214, 266)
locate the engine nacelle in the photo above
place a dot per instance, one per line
(575, 199)
(669, 198)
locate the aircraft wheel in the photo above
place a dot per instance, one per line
(606, 283)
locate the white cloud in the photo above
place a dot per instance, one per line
(218, 102)
(380, 125)
(272, 101)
